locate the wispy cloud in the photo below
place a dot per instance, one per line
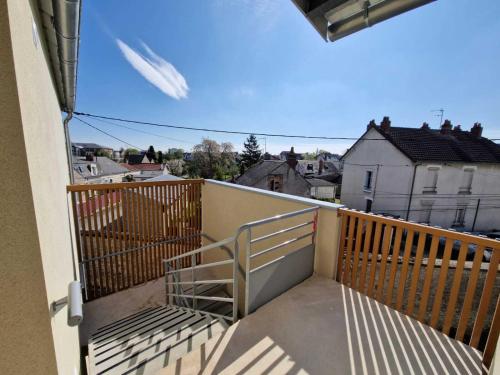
(156, 70)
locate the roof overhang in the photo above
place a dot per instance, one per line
(61, 28)
(335, 19)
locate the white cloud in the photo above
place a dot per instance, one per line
(156, 70)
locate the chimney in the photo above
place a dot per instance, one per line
(385, 124)
(321, 166)
(477, 130)
(371, 124)
(291, 159)
(425, 126)
(446, 127)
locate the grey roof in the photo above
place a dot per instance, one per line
(105, 167)
(424, 144)
(165, 177)
(259, 171)
(88, 145)
(318, 182)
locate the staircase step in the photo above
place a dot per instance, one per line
(146, 345)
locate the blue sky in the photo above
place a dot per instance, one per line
(255, 65)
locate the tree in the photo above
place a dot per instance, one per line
(251, 154)
(159, 157)
(129, 151)
(151, 154)
(211, 159)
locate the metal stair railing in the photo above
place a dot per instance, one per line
(250, 241)
(180, 297)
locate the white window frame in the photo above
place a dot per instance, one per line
(426, 211)
(431, 189)
(459, 221)
(466, 183)
(365, 185)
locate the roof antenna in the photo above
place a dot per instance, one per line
(440, 115)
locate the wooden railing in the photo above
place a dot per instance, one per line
(443, 278)
(125, 230)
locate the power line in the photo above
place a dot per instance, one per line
(222, 131)
(109, 135)
(144, 132)
(229, 131)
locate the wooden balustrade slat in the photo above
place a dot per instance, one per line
(121, 229)
(429, 272)
(443, 275)
(415, 275)
(129, 237)
(340, 256)
(357, 250)
(492, 340)
(374, 258)
(366, 251)
(113, 206)
(350, 240)
(457, 279)
(485, 301)
(469, 294)
(394, 266)
(93, 237)
(383, 264)
(420, 289)
(404, 269)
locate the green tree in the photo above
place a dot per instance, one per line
(151, 154)
(129, 151)
(159, 157)
(251, 153)
(211, 159)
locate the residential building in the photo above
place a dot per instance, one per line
(318, 168)
(193, 276)
(82, 149)
(288, 177)
(447, 177)
(99, 169)
(284, 155)
(146, 170)
(141, 158)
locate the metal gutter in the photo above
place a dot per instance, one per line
(61, 23)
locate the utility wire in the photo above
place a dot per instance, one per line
(230, 131)
(109, 135)
(144, 132)
(221, 131)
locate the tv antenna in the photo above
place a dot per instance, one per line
(439, 114)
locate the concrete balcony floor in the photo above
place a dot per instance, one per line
(323, 327)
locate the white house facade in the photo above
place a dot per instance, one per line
(445, 177)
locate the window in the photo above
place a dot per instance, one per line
(368, 180)
(275, 182)
(460, 217)
(431, 180)
(465, 187)
(310, 168)
(425, 212)
(368, 205)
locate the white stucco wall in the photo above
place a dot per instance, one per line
(391, 186)
(40, 129)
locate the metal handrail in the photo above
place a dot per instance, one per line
(177, 283)
(280, 245)
(248, 248)
(247, 227)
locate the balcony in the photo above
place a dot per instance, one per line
(158, 265)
